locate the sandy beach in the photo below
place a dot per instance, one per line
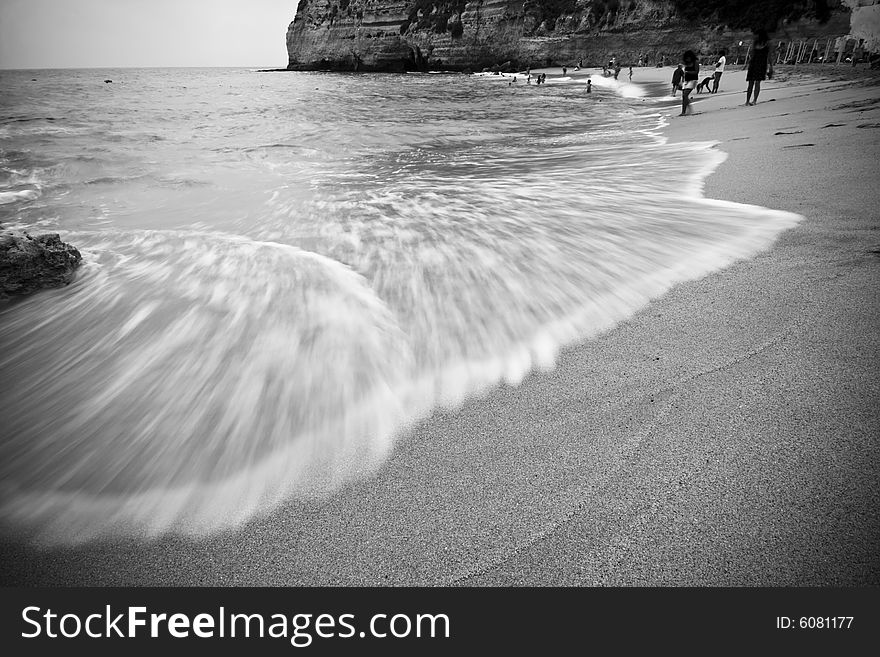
(726, 435)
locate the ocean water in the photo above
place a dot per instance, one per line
(282, 271)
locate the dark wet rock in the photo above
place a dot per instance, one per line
(28, 264)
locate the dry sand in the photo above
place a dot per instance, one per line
(725, 435)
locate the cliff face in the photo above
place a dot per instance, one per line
(402, 34)
(396, 35)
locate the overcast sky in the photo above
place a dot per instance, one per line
(84, 33)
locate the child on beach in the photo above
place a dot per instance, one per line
(677, 75)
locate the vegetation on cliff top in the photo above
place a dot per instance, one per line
(766, 14)
(440, 16)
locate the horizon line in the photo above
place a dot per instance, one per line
(79, 68)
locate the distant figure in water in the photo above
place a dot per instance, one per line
(630, 73)
(677, 75)
(564, 70)
(589, 86)
(758, 65)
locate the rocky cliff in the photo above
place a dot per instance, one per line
(396, 35)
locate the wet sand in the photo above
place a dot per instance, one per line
(726, 435)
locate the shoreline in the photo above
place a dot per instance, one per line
(722, 436)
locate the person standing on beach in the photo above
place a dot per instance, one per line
(719, 69)
(677, 75)
(858, 52)
(758, 65)
(630, 73)
(691, 75)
